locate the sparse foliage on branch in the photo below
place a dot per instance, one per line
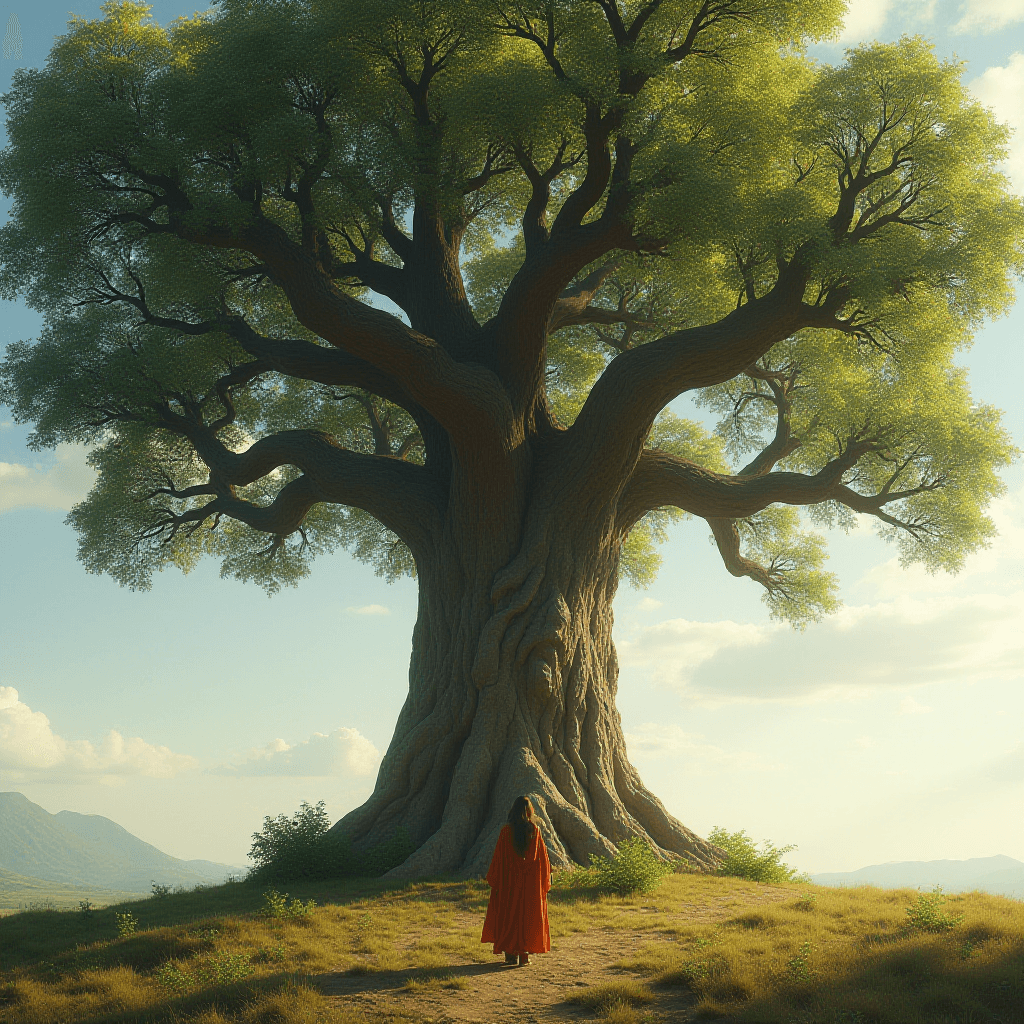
(584, 209)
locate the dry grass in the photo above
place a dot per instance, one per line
(213, 957)
(849, 956)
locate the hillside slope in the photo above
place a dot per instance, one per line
(89, 850)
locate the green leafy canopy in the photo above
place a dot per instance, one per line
(742, 156)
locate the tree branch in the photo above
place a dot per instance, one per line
(609, 432)
(465, 399)
(663, 479)
(401, 495)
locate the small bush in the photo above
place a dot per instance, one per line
(295, 848)
(799, 966)
(275, 904)
(744, 861)
(926, 913)
(634, 869)
(217, 969)
(161, 892)
(126, 924)
(86, 907)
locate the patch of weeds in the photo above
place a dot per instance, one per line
(743, 860)
(161, 892)
(799, 967)
(807, 901)
(967, 949)
(276, 904)
(126, 924)
(699, 971)
(614, 993)
(266, 955)
(217, 969)
(434, 980)
(635, 869)
(85, 908)
(926, 913)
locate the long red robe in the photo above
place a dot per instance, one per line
(517, 912)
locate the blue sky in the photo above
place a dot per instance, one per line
(892, 731)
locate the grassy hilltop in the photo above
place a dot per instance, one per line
(697, 947)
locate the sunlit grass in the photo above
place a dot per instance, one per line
(856, 956)
(853, 955)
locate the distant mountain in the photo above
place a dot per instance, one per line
(1001, 875)
(88, 849)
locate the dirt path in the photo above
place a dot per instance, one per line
(495, 994)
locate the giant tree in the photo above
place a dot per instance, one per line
(583, 209)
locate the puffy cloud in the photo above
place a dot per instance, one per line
(370, 609)
(687, 751)
(1002, 89)
(865, 19)
(63, 485)
(988, 15)
(648, 604)
(908, 628)
(857, 651)
(30, 748)
(344, 752)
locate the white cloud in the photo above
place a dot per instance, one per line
(988, 15)
(370, 609)
(1002, 89)
(648, 604)
(908, 628)
(687, 751)
(61, 486)
(865, 19)
(853, 653)
(30, 748)
(344, 752)
(909, 706)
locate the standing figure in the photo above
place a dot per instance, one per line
(519, 877)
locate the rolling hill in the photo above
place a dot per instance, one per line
(1003, 876)
(89, 850)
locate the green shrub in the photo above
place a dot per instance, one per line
(126, 924)
(299, 847)
(221, 968)
(275, 904)
(744, 861)
(926, 913)
(634, 869)
(161, 892)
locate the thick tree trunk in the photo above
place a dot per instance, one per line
(512, 691)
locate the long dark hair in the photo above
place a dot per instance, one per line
(521, 820)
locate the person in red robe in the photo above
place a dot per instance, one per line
(519, 877)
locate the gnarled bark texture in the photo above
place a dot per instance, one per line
(512, 692)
